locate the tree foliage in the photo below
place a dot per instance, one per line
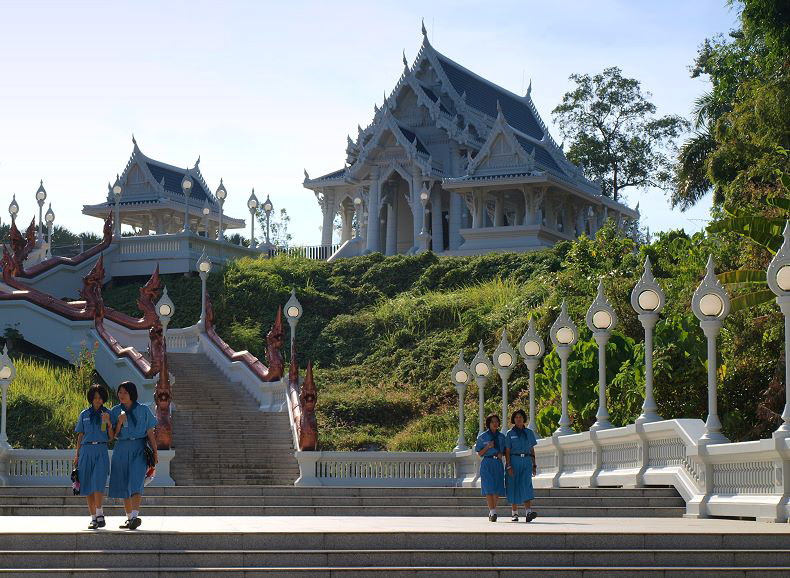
(615, 134)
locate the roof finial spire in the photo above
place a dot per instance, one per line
(405, 62)
(498, 108)
(134, 142)
(424, 31)
(529, 88)
(197, 162)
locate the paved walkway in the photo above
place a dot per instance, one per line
(370, 524)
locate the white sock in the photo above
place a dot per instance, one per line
(492, 512)
(93, 517)
(529, 510)
(99, 513)
(133, 515)
(514, 511)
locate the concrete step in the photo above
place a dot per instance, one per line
(774, 559)
(291, 490)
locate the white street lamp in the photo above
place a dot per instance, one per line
(293, 312)
(358, 209)
(268, 208)
(117, 189)
(41, 196)
(252, 205)
(648, 300)
(7, 375)
(481, 369)
(425, 237)
(531, 348)
(711, 304)
(204, 268)
(601, 319)
(13, 209)
(564, 334)
(222, 194)
(186, 188)
(165, 309)
(461, 377)
(49, 217)
(779, 281)
(206, 213)
(504, 361)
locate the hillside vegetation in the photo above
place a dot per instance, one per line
(385, 331)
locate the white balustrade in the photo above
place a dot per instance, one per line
(24, 467)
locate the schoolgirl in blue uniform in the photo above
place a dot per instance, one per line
(134, 424)
(91, 458)
(490, 446)
(520, 465)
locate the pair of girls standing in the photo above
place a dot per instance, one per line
(514, 479)
(131, 425)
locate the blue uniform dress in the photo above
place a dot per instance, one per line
(492, 472)
(128, 457)
(94, 463)
(519, 485)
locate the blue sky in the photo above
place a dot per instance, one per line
(261, 90)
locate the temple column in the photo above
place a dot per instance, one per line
(437, 225)
(346, 220)
(480, 210)
(499, 209)
(455, 218)
(328, 207)
(146, 228)
(372, 231)
(392, 228)
(580, 210)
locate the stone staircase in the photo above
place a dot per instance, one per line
(249, 500)
(348, 547)
(219, 435)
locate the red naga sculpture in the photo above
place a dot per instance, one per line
(303, 400)
(274, 342)
(21, 246)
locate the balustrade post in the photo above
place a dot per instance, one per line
(778, 277)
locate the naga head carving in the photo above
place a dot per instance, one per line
(9, 267)
(107, 231)
(92, 285)
(275, 337)
(308, 396)
(209, 312)
(149, 293)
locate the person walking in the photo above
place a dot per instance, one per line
(134, 427)
(520, 466)
(91, 458)
(490, 446)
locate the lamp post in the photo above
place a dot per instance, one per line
(267, 209)
(711, 304)
(481, 369)
(648, 300)
(117, 189)
(41, 196)
(165, 309)
(564, 334)
(293, 311)
(425, 237)
(779, 281)
(531, 348)
(186, 188)
(252, 205)
(204, 268)
(601, 319)
(206, 213)
(7, 374)
(358, 210)
(13, 209)
(49, 217)
(504, 361)
(222, 194)
(460, 377)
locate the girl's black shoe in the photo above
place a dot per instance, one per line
(514, 518)
(135, 523)
(93, 525)
(100, 522)
(492, 518)
(531, 516)
(127, 525)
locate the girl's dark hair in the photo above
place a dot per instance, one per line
(520, 412)
(93, 390)
(130, 388)
(490, 417)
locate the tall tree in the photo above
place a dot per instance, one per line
(615, 134)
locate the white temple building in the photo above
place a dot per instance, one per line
(453, 163)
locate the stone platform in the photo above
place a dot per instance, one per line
(394, 546)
